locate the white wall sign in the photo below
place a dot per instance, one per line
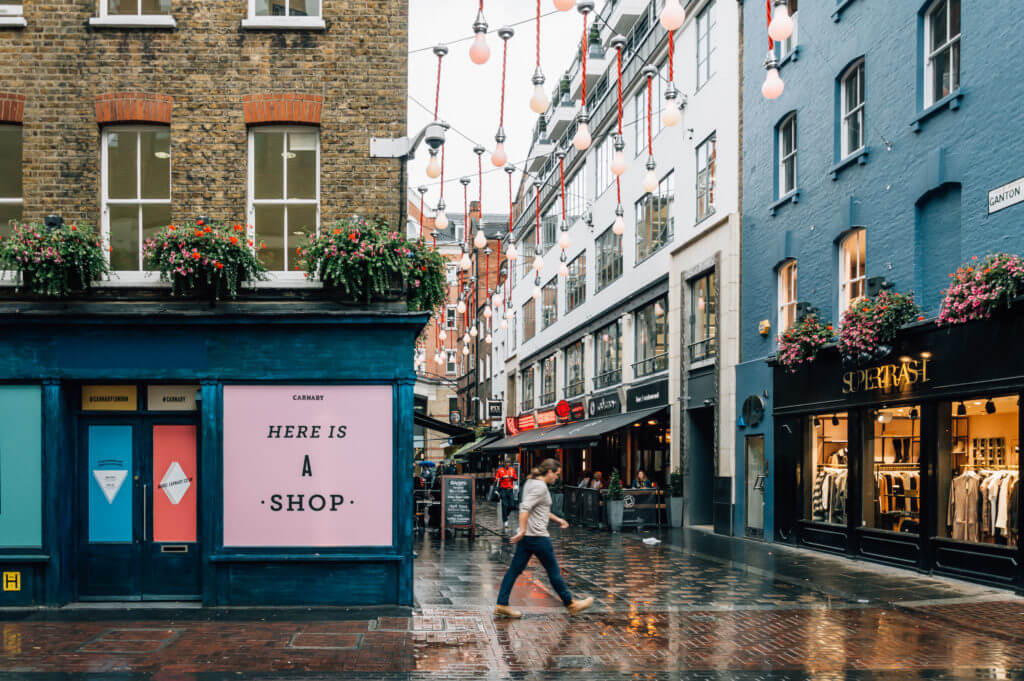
(1006, 196)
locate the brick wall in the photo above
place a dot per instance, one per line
(208, 66)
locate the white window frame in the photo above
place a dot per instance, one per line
(707, 164)
(855, 72)
(451, 364)
(140, 275)
(10, 200)
(313, 23)
(137, 20)
(451, 274)
(251, 202)
(784, 189)
(930, 54)
(847, 257)
(603, 156)
(451, 318)
(12, 14)
(706, 22)
(787, 297)
(790, 43)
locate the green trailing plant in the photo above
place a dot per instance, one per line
(675, 483)
(53, 261)
(615, 486)
(206, 260)
(802, 342)
(870, 325)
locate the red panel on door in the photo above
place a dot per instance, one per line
(174, 483)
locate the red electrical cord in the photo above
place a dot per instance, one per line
(650, 103)
(437, 91)
(480, 183)
(671, 55)
(538, 32)
(537, 230)
(465, 210)
(561, 173)
(504, 59)
(768, 8)
(620, 90)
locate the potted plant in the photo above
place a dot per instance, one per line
(53, 261)
(205, 261)
(979, 289)
(615, 502)
(870, 326)
(363, 262)
(674, 499)
(801, 343)
(557, 496)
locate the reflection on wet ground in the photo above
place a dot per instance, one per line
(694, 607)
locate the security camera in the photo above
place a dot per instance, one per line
(433, 135)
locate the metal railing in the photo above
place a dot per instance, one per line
(574, 389)
(703, 349)
(547, 398)
(608, 378)
(650, 366)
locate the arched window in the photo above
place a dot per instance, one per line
(787, 296)
(852, 268)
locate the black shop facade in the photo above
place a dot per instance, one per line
(912, 459)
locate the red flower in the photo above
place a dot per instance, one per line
(234, 239)
(208, 229)
(220, 265)
(239, 228)
(199, 222)
(337, 231)
(196, 256)
(199, 232)
(74, 229)
(171, 228)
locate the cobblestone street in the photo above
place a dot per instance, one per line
(693, 607)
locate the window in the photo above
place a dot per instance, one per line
(852, 268)
(942, 50)
(110, 8)
(787, 296)
(653, 219)
(603, 156)
(514, 330)
(547, 379)
(528, 387)
(11, 13)
(787, 155)
(705, 44)
(451, 272)
(851, 93)
(529, 319)
(549, 303)
(790, 43)
(574, 376)
(284, 192)
(826, 461)
(527, 251)
(706, 178)
(295, 13)
(651, 323)
(608, 355)
(703, 317)
(549, 229)
(576, 283)
(450, 318)
(136, 191)
(576, 196)
(451, 362)
(609, 258)
(10, 177)
(896, 463)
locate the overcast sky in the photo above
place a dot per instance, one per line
(471, 94)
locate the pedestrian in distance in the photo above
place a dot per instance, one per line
(533, 539)
(505, 478)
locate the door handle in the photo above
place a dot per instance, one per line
(145, 508)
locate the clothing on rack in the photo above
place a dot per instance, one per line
(983, 506)
(828, 496)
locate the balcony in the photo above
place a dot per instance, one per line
(607, 379)
(702, 350)
(539, 154)
(574, 389)
(526, 406)
(620, 14)
(547, 398)
(597, 63)
(562, 115)
(650, 366)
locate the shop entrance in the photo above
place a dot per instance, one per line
(137, 509)
(700, 483)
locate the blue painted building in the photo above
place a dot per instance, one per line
(893, 155)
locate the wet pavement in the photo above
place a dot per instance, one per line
(694, 607)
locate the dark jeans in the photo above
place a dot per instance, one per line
(545, 552)
(508, 500)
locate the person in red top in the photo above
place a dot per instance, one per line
(505, 479)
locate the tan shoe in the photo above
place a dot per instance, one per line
(576, 607)
(505, 611)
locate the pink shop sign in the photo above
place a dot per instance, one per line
(308, 466)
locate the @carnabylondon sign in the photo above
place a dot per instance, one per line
(887, 377)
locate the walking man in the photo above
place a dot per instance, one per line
(533, 539)
(505, 478)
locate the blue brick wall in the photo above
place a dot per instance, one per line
(980, 146)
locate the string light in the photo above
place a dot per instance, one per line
(651, 178)
(780, 26)
(500, 157)
(564, 5)
(773, 84)
(480, 240)
(465, 263)
(619, 226)
(538, 259)
(510, 252)
(563, 269)
(433, 165)
(582, 139)
(670, 114)
(672, 15)
(480, 51)
(564, 241)
(539, 100)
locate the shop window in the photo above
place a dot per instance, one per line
(136, 190)
(826, 461)
(608, 355)
(705, 44)
(21, 467)
(548, 378)
(851, 106)
(529, 319)
(576, 283)
(852, 269)
(706, 156)
(979, 471)
(654, 219)
(574, 372)
(609, 258)
(651, 340)
(284, 192)
(941, 50)
(528, 387)
(549, 303)
(787, 146)
(11, 197)
(895, 448)
(703, 317)
(787, 296)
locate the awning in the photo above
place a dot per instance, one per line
(473, 446)
(583, 430)
(527, 437)
(438, 426)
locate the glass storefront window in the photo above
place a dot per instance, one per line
(826, 461)
(608, 355)
(979, 471)
(896, 472)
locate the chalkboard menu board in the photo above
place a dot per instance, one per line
(458, 497)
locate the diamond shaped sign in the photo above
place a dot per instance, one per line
(175, 483)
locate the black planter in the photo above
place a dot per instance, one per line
(206, 290)
(75, 282)
(394, 292)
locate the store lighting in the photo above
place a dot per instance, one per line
(884, 418)
(636, 425)
(652, 422)
(961, 410)
(978, 403)
(926, 355)
(990, 407)
(835, 420)
(905, 359)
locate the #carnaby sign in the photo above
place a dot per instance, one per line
(308, 466)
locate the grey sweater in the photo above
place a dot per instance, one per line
(536, 502)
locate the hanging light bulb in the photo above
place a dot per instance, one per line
(672, 15)
(650, 179)
(438, 359)
(564, 5)
(473, 332)
(488, 312)
(670, 115)
(480, 51)
(480, 240)
(564, 240)
(781, 26)
(496, 300)
(461, 306)
(465, 349)
(442, 335)
(441, 220)
(582, 139)
(465, 338)
(538, 262)
(773, 85)
(539, 101)
(488, 339)
(504, 325)
(433, 165)
(511, 253)
(619, 226)
(536, 291)
(563, 269)
(619, 160)
(465, 263)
